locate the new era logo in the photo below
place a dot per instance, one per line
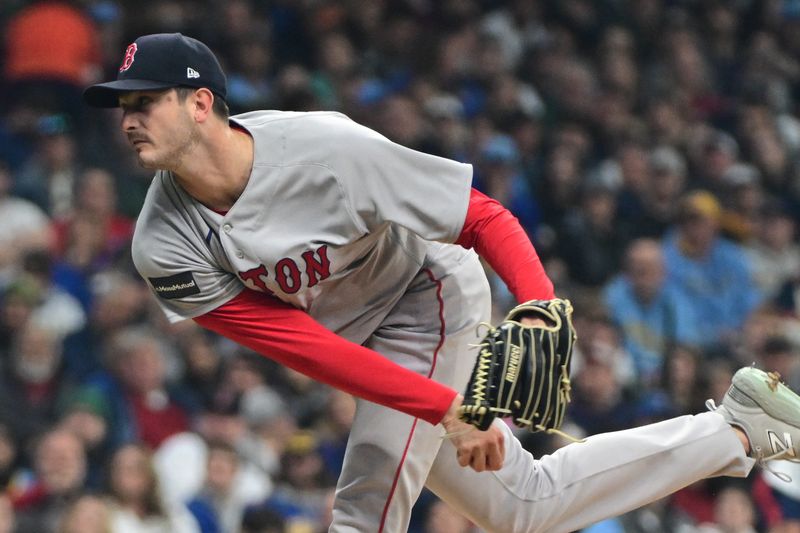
(192, 73)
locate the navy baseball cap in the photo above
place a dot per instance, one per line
(161, 61)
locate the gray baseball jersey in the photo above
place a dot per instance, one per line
(335, 219)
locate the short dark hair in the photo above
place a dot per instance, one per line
(219, 107)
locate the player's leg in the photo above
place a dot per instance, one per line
(616, 472)
(386, 463)
(389, 453)
(585, 482)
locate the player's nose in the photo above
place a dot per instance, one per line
(129, 121)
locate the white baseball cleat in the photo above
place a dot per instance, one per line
(767, 411)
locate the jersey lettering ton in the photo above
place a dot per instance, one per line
(335, 220)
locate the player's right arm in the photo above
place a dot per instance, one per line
(293, 338)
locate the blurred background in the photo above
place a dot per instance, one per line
(651, 149)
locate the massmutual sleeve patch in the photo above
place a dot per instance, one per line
(176, 286)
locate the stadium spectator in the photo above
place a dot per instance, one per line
(84, 412)
(59, 475)
(48, 178)
(33, 385)
(773, 252)
(734, 512)
(88, 514)
(714, 273)
(19, 299)
(25, 227)
(96, 199)
(116, 300)
(135, 501)
(57, 310)
(659, 197)
(742, 199)
(303, 489)
(203, 367)
(250, 80)
(228, 489)
(592, 238)
(50, 68)
(603, 376)
(499, 174)
(144, 407)
(683, 379)
(714, 153)
(652, 314)
(333, 427)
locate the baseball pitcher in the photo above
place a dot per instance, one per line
(326, 247)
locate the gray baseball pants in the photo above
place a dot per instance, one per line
(390, 455)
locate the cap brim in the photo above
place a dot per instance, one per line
(107, 94)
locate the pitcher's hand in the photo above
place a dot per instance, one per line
(480, 450)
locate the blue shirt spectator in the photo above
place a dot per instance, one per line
(499, 173)
(652, 313)
(712, 272)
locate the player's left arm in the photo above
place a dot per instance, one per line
(497, 236)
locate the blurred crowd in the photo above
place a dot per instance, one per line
(651, 149)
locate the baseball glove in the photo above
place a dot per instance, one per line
(522, 371)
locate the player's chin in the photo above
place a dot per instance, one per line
(147, 160)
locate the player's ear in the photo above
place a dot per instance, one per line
(203, 102)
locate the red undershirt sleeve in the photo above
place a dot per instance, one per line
(291, 337)
(498, 237)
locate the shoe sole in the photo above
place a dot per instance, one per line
(766, 391)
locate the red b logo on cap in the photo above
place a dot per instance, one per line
(127, 61)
